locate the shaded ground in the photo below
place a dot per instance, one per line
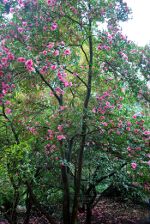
(108, 211)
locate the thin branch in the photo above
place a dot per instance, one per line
(11, 125)
(47, 83)
(84, 54)
(76, 76)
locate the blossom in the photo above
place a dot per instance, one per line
(44, 52)
(129, 123)
(50, 45)
(56, 53)
(104, 123)
(148, 162)
(54, 26)
(94, 110)
(4, 60)
(20, 29)
(53, 67)
(134, 165)
(32, 130)
(134, 116)
(59, 91)
(29, 63)
(8, 111)
(67, 51)
(1, 73)
(21, 59)
(146, 133)
(60, 127)
(61, 137)
(129, 148)
(51, 2)
(7, 102)
(24, 23)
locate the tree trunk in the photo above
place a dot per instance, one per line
(88, 214)
(66, 196)
(28, 207)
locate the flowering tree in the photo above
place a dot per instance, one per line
(65, 85)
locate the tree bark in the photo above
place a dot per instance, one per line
(66, 196)
(84, 128)
(88, 214)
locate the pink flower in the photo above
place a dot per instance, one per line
(67, 52)
(146, 133)
(134, 116)
(56, 53)
(53, 67)
(61, 137)
(32, 130)
(20, 29)
(50, 45)
(51, 2)
(7, 102)
(129, 149)
(1, 73)
(129, 123)
(11, 56)
(8, 111)
(136, 131)
(54, 26)
(119, 106)
(21, 59)
(102, 117)
(99, 47)
(60, 127)
(62, 108)
(128, 128)
(118, 132)
(24, 23)
(105, 124)
(94, 110)
(59, 90)
(44, 52)
(29, 63)
(148, 162)
(134, 165)
(4, 60)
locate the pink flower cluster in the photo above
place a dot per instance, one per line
(54, 26)
(29, 65)
(61, 137)
(67, 51)
(51, 2)
(103, 47)
(5, 88)
(59, 91)
(123, 55)
(49, 149)
(134, 165)
(32, 130)
(50, 135)
(62, 78)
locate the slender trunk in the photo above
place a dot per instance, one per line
(84, 129)
(28, 207)
(88, 214)
(15, 203)
(66, 196)
(39, 207)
